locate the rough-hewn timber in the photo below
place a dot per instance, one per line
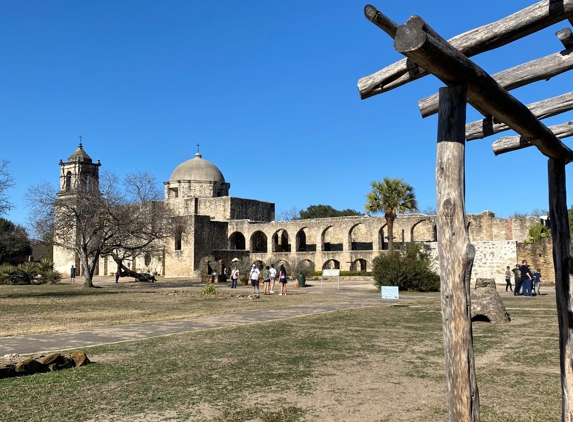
(456, 257)
(566, 37)
(540, 109)
(562, 260)
(452, 67)
(485, 38)
(513, 143)
(515, 77)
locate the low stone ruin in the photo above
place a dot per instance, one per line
(486, 302)
(44, 363)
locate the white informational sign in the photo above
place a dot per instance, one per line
(390, 292)
(330, 273)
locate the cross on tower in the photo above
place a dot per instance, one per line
(197, 148)
(80, 140)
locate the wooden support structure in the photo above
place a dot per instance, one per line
(456, 257)
(452, 67)
(426, 52)
(540, 109)
(479, 40)
(536, 70)
(513, 143)
(561, 238)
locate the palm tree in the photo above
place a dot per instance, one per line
(392, 196)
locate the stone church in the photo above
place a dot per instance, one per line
(212, 223)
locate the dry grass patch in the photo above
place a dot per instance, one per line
(49, 309)
(381, 364)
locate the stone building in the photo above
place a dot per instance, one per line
(210, 222)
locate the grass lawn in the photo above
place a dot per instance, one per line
(371, 364)
(49, 309)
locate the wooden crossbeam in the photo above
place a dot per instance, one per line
(566, 37)
(452, 67)
(541, 110)
(513, 143)
(485, 38)
(536, 70)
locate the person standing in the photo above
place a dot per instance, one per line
(273, 274)
(508, 275)
(73, 274)
(267, 280)
(525, 278)
(517, 277)
(283, 280)
(254, 277)
(537, 282)
(234, 277)
(117, 276)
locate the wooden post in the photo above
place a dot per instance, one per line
(456, 257)
(562, 261)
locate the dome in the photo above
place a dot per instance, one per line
(197, 169)
(80, 155)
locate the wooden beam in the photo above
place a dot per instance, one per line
(541, 110)
(452, 67)
(513, 143)
(536, 70)
(380, 20)
(485, 38)
(566, 37)
(456, 256)
(561, 238)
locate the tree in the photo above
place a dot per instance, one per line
(287, 215)
(14, 243)
(325, 211)
(112, 218)
(537, 232)
(409, 269)
(6, 182)
(392, 196)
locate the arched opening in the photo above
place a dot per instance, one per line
(305, 266)
(280, 241)
(68, 182)
(259, 242)
(331, 264)
(301, 241)
(237, 241)
(383, 238)
(330, 242)
(422, 231)
(358, 265)
(178, 236)
(360, 239)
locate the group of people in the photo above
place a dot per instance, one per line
(268, 277)
(526, 280)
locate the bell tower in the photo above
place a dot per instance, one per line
(79, 172)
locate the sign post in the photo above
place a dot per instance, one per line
(330, 273)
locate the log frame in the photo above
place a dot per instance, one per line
(479, 40)
(452, 67)
(513, 143)
(561, 238)
(456, 257)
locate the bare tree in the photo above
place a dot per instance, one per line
(6, 182)
(117, 219)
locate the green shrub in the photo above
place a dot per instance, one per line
(209, 289)
(409, 269)
(8, 274)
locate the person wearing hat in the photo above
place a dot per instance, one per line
(254, 277)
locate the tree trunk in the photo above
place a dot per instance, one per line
(88, 275)
(456, 257)
(390, 222)
(562, 262)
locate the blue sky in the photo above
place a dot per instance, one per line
(267, 89)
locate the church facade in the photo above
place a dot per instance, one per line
(210, 222)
